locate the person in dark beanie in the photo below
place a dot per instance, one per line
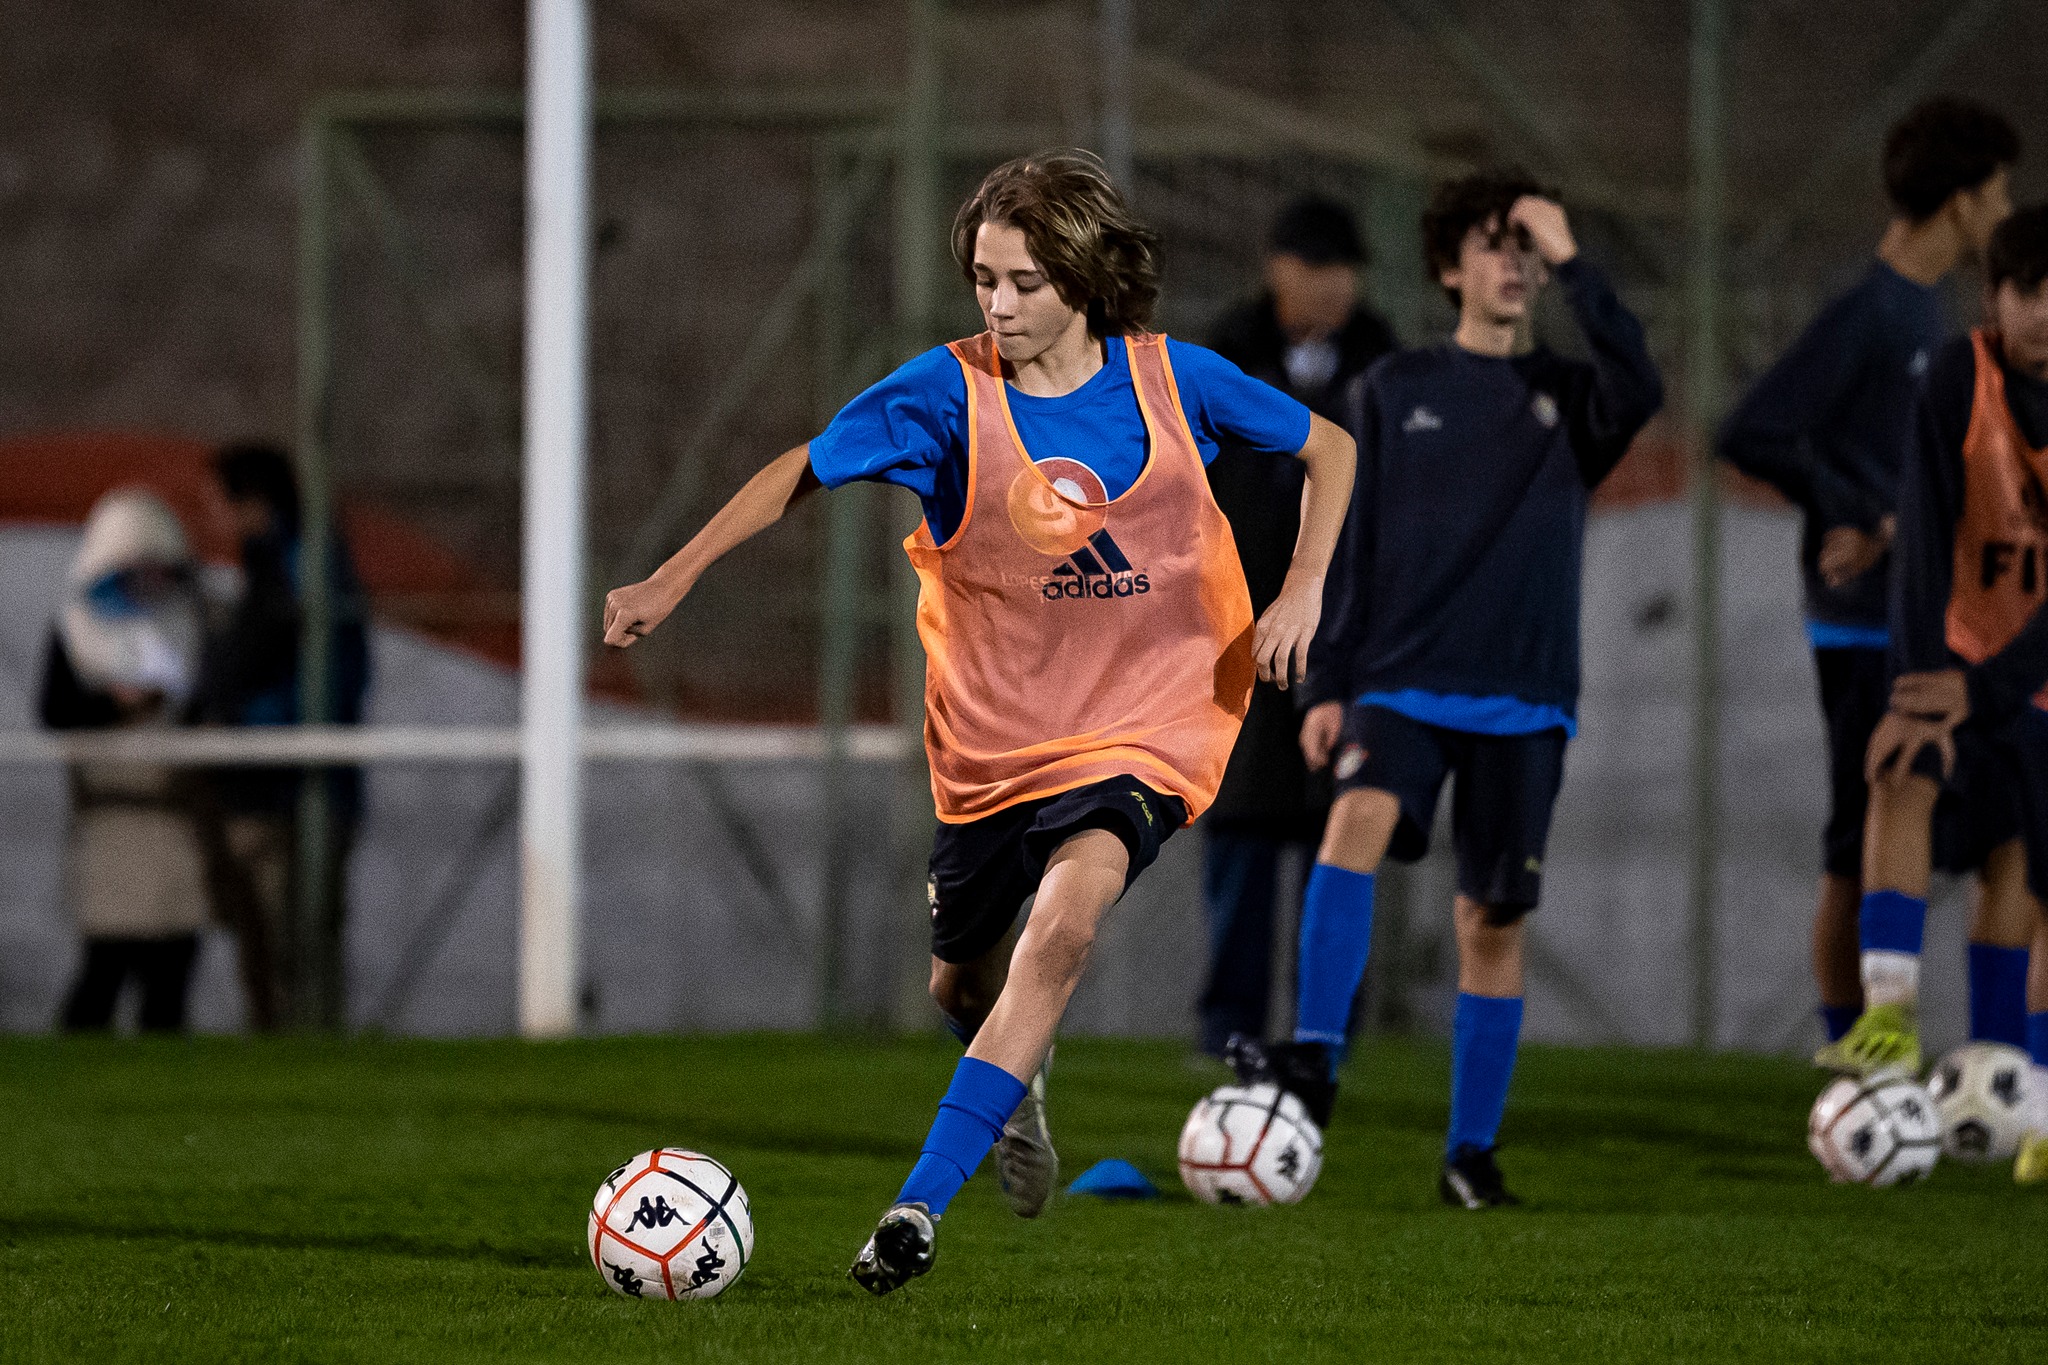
(1310, 335)
(251, 677)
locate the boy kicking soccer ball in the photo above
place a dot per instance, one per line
(1089, 641)
(1452, 649)
(1970, 643)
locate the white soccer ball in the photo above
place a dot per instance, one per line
(670, 1224)
(1983, 1092)
(1878, 1130)
(1250, 1145)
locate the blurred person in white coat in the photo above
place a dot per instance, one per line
(123, 653)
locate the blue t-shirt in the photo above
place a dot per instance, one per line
(911, 428)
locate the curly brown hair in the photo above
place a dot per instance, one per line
(1470, 201)
(1092, 249)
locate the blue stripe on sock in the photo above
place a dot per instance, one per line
(971, 1117)
(2037, 1037)
(1998, 994)
(1485, 1034)
(1891, 922)
(1336, 935)
(1836, 1019)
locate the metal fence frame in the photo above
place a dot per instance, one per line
(909, 129)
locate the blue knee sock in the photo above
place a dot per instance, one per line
(1836, 1019)
(2037, 1037)
(1891, 922)
(1484, 1036)
(1998, 994)
(971, 1117)
(1336, 934)
(1890, 925)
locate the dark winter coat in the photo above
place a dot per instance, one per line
(1267, 786)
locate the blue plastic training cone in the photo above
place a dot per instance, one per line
(1114, 1179)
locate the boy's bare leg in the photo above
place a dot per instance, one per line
(2037, 968)
(1027, 1165)
(1489, 954)
(1361, 825)
(966, 991)
(1083, 878)
(2006, 911)
(1835, 972)
(1898, 844)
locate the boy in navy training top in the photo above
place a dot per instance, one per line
(1451, 643)
(1970, 646)
(1826, 426)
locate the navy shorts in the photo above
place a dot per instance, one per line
(1854, 694)
(983, 871)
(1501, 799)
(1997, 793)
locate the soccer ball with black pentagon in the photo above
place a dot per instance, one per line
(1250, 1144)
(670, 1224)
(1875, 1130)
(1982, 1092)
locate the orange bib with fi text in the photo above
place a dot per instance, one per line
(2001, 557)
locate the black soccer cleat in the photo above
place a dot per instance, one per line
(1301, 1069)
(903, 1247)
(1470, 1180)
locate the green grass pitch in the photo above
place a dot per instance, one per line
(297, 1200)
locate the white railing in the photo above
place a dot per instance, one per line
(257, 746)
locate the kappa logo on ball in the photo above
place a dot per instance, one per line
(1349, 761)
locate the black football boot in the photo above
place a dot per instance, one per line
(1301, 1069)
(1470, 1180)
(903, 1247)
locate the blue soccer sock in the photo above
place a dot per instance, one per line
(2037, 1037)
(1484, 1036)
(1336, 935)
(1836, 1019)
(1998, 994)
(1890, 926)
(971, 1117)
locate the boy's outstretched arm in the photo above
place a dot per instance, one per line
(1280, 642)
(635, 610)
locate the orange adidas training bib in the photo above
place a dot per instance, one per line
(1070, 637)
(2001, 555)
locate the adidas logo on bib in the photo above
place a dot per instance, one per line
(1097, 569)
